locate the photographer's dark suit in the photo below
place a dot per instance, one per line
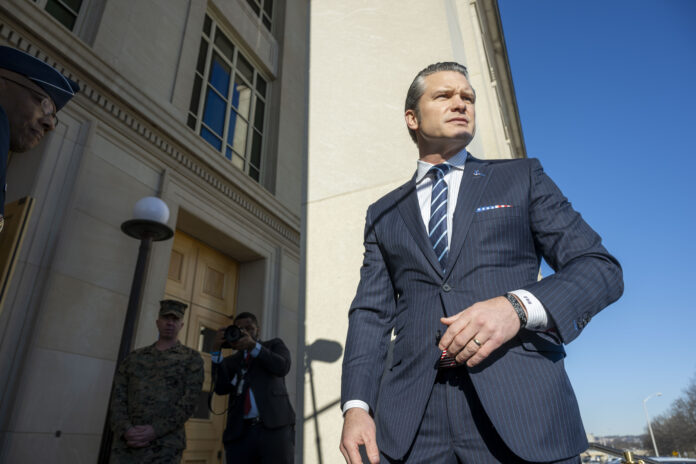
(266, 378)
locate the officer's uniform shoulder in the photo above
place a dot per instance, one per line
(189, 353)
(140, 362)
(142, 351)
(187, 349)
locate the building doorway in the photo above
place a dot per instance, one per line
(206, 280)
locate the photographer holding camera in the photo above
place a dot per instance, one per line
(260, 419)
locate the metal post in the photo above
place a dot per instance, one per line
(647, 417)
(308, 366)
(134, 300)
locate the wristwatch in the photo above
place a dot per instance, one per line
(518, 309)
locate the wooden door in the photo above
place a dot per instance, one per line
(206, 280)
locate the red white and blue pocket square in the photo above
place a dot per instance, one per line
(481, 209)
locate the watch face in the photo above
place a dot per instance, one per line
(2, 222)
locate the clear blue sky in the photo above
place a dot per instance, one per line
(606, 94)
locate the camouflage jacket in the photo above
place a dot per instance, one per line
(160, 388)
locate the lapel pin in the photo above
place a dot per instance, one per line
(478, 173)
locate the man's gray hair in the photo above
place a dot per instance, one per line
(415, 92)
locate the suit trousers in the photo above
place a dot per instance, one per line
(261, 445)
(456, 430)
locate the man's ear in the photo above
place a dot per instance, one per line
(411, 119)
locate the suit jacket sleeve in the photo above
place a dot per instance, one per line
(274, 357)
(223, 373)
(370, 320)
(587, 278)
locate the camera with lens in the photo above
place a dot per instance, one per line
(232, 335)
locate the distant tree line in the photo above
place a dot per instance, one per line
(675, 430)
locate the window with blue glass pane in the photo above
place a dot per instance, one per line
(220, 75)
(228, 101)
(211, 138)
(214, 114)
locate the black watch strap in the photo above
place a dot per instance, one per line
(518, 309)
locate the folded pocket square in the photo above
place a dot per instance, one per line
(488, 208)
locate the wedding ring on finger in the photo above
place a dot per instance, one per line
(478, 343)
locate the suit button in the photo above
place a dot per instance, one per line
(446, 287)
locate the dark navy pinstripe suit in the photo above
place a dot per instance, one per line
(522, 386)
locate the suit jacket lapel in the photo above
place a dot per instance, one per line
(411, 213)
(476, 175)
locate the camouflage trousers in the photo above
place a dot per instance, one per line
(154, 454)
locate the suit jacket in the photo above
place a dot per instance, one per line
(523, 385)
(266, 378)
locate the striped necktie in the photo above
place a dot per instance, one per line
(437, 226)
(437, 230)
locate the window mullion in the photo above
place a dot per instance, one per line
(228, 112)
(250, 128)
(204, 84)
(76, 13)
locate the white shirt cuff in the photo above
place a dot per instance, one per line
(537, 317)
(355, 404)
(256, 350)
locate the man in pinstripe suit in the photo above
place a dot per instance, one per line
(451, 264)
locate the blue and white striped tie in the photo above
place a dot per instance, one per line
(437, 231)
(437, 226)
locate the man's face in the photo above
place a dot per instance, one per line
(169, 326)
(248, 326)
(29, 109)
(445, 110)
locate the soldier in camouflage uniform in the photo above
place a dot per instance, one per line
(155, 392)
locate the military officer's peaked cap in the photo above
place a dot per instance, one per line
(174, 307)
(57, 86)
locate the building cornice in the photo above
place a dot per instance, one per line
(489, 14)
(103, 88)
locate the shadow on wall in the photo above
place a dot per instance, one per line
(324, 351)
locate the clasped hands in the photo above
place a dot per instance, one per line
(471, 336)
(139, 436)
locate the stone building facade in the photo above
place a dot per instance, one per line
(267, 126)
(202, 103)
